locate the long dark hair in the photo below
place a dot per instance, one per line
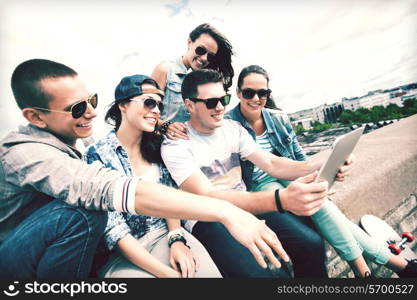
(150, 146)
(223, 58)
(270, 103)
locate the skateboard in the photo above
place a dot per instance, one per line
(380, 230)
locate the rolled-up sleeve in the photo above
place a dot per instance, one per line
(116, 229)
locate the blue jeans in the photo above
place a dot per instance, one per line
(56, 241)
(348, 239)
(302, 243)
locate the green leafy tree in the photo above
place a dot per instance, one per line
(348, 117)
(377, 113)
(299, 129)
(410, 107)
(317, 126)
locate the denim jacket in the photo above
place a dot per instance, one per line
(112, 155)
(174, 108)
(280, 134)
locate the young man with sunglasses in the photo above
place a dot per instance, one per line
(208, 164)
(52, 203)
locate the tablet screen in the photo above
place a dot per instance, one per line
(341, 149)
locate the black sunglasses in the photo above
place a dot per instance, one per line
(212, 102)
(200, 50)
(151, 103)
(250, 93)
(78, 108)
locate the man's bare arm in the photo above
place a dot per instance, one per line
(302, 197)
(282, 167)
(256, 203)
(162, 201)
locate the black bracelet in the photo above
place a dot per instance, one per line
(177, 238)
(278, 202)
(164, 127)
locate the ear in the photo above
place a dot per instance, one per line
(189, 42)
(34, 117)
(189, 105)
(123, 106)
(238, 93)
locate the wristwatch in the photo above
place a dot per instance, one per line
(177, 238)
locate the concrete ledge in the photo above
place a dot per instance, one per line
(383, 183)
(384, 172)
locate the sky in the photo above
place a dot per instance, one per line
(315, 51)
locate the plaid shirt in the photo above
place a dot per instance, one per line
(37, 167)
(112, 155)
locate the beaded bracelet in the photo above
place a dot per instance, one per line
(164, 127)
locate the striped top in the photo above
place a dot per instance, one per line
(258, 175)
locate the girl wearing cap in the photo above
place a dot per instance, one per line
(206, 48)
(147, 246)
(272, 130)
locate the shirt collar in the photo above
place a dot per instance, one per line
(112, 141)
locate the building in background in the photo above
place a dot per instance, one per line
(326, 113)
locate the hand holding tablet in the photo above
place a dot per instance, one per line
(342, 147)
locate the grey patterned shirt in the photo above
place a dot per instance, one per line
(37, 167)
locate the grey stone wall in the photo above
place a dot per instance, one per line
(402, 217)
(383, 183)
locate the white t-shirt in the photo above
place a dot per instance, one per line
(216, 155)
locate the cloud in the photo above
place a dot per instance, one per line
(177, 8)
(314, 51)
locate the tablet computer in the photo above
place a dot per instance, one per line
(341, 148)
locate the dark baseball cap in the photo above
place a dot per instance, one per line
(131, 86)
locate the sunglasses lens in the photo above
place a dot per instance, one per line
(79, 109)
(200, 50)
(263, 93)
(248, 93)
(93, 100)
(151, 103)
(225, 100)
(212, 103)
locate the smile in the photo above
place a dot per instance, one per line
(84, 125)
(151, 119)
(199, 62)
(254, 105)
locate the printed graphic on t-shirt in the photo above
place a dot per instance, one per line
(225, 174)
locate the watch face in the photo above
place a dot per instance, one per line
(177, 238)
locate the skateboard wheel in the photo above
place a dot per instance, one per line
(394, 249)
(408, 236)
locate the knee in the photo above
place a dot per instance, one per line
(98, 220)
(88, 221)
(315, 241)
